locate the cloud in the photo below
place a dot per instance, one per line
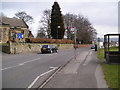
(103, 29)
(97, 12)
(35, 26)
(60, 0)
(103, 14)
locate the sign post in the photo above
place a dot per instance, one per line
(73, 30)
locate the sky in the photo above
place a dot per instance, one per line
(103, 14)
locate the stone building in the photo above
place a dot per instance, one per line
(12, 29)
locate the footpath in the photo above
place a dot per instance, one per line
(84, 72)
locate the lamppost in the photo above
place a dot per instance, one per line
(58, 27)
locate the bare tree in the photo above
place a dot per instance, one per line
(2, 14)
(41, 34)
(84, 28)
(69, 21)
(46, 21)
(23, 15)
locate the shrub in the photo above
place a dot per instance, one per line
(51, 41)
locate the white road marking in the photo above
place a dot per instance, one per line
(50, 77)
(20, 64)
(30, 61)
(48, 71)
(35, 80)
(9, 67)
(53, 67)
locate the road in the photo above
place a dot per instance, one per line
(20, 70)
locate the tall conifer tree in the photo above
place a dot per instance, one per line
(57, 25)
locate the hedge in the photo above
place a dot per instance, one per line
(51, 41)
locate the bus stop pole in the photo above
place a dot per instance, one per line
(75, 42)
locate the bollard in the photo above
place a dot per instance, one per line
(95, 47)
(14, 50)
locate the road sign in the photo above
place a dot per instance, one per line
(20, 35)
(72, 29)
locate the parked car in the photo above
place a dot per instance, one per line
(49, 49)
(93, 46)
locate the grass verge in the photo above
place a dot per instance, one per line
(111, 71)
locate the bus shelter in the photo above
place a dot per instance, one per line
(112, 48)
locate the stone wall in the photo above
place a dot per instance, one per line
(4, 33)
(14, 48)
(33, 47)
(5, 48)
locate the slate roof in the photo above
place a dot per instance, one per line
(13, 22)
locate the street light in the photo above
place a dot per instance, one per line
(57, 30)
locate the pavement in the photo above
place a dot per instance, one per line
(83, 72)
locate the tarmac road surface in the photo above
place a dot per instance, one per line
(22, 70)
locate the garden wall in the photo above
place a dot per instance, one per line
(5, 48)
(33, 47)
(13, 48)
